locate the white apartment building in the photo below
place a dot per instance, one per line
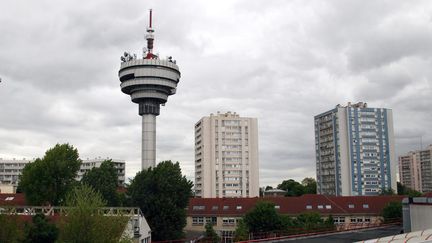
(226, 156)
(11, 169)
(355, 154)
(415, 170)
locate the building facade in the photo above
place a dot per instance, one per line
(347, 212)
(11, 169)
(415, 170)
(226, 156)
(354, 147)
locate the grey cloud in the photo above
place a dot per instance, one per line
(282, 62)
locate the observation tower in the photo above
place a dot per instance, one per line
(149, 81)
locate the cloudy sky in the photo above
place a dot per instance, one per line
(280, 61)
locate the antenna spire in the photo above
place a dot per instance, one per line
(150, 39)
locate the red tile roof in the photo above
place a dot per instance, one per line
(364, 205)
(9, 199)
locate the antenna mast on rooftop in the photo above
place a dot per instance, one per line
(150, 39)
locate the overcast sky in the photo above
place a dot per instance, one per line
(280, 61)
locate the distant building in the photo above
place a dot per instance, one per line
(88, 164)
(274, 193)
(226, 156)
(415, 170)
(354, 147)
(11, 169)
(347, 212)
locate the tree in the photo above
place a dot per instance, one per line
(10, 229)
(392, 211)
(47, 180)
(104, 180)
(292, 188)
(41, 231)
(85, 222)
(387, 191)
(162, 193)
(210, 233)
(403, 190)
(263, 218)
(310, 185)
(241, 232)
(309, 221)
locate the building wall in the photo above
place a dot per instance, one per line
(354, 148)
(10, 170)
(229, 223)
(421, 217)
(415, 169)
(226, 156)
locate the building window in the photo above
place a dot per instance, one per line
(198, 207)
(367, 220)
(215, 208)
(239, 207)
(228, 221)
(197, 220)
(328, 206)
(211, 220)
(353, 220)
(365, 205)
(277, 207)
(225, 207)
(308, 206)
(320, 207)
(350, 205)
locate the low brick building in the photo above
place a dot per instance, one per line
(224, 213)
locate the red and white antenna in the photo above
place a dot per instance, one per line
(150, 39)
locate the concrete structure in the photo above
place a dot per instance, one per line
(274, 193)
(354, 147)
(424, 236)
(226, 156)
(149, 81)
(348, 212)
(417, 213)
(415, 170)
(10, 170)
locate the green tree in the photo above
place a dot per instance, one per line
(263, 218)
(392, 211)
(10, 229)
(85, 222)
(403, 190)
(47, 180)
(162, 193)
(41, 231)
(292, 188)
(329, 222)
(309, 221)
(310, 185)
(387, 191)
(241, 232)
(104, 180)
(210, 233)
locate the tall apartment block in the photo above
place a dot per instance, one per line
(11, 169)
(354, 147)
(415, 170)
(226, 156)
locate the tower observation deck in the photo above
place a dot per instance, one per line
(149, 81)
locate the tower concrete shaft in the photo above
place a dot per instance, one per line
(148, 141)
(149, 81)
